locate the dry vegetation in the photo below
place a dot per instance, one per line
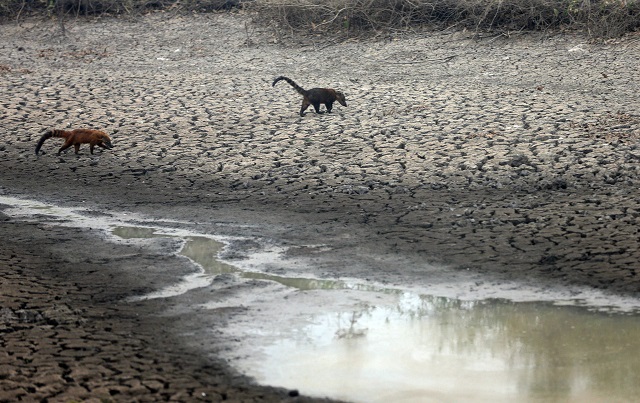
(19, 8)
(597, 18)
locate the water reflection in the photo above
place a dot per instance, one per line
(427, 348)
(440, 349)
(136, 232)
(204, 251)
(201, 250)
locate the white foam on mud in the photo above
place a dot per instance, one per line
(442, 282)
(439, 335)
(49, 214)
(433, 280)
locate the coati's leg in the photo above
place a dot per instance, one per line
(305, 105)
(91, 147)
(77, 147)
(329, 106)
(66, 145)
(316, 106)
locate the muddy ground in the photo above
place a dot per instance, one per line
(515, 157)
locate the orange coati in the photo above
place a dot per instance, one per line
(315, 96)
(76, 137)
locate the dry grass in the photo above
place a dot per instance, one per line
(19, 8)
(598, 18)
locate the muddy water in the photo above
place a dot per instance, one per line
(204, 251)
(438, 349)
(426, 348)
(362, 342)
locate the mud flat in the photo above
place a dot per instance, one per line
(267, 316)
(510, 159)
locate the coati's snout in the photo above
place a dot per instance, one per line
(107, 144)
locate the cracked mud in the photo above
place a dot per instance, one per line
(515, 158)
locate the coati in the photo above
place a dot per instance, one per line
(76, 137)
(315, 96)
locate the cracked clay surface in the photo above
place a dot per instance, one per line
(516, 158)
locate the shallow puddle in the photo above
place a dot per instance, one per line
(204, 251)
(137, 232)
(429, 349)
(362, 342)
(200, 249)
(432, 349)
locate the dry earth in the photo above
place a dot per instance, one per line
(516, 157)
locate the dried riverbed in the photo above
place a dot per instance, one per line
(510, 159)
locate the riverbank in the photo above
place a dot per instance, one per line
(68, 334)
(515, 159)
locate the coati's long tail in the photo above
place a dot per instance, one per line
(298, 88)
(48, 135)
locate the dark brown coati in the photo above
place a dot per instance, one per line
(315, 96)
